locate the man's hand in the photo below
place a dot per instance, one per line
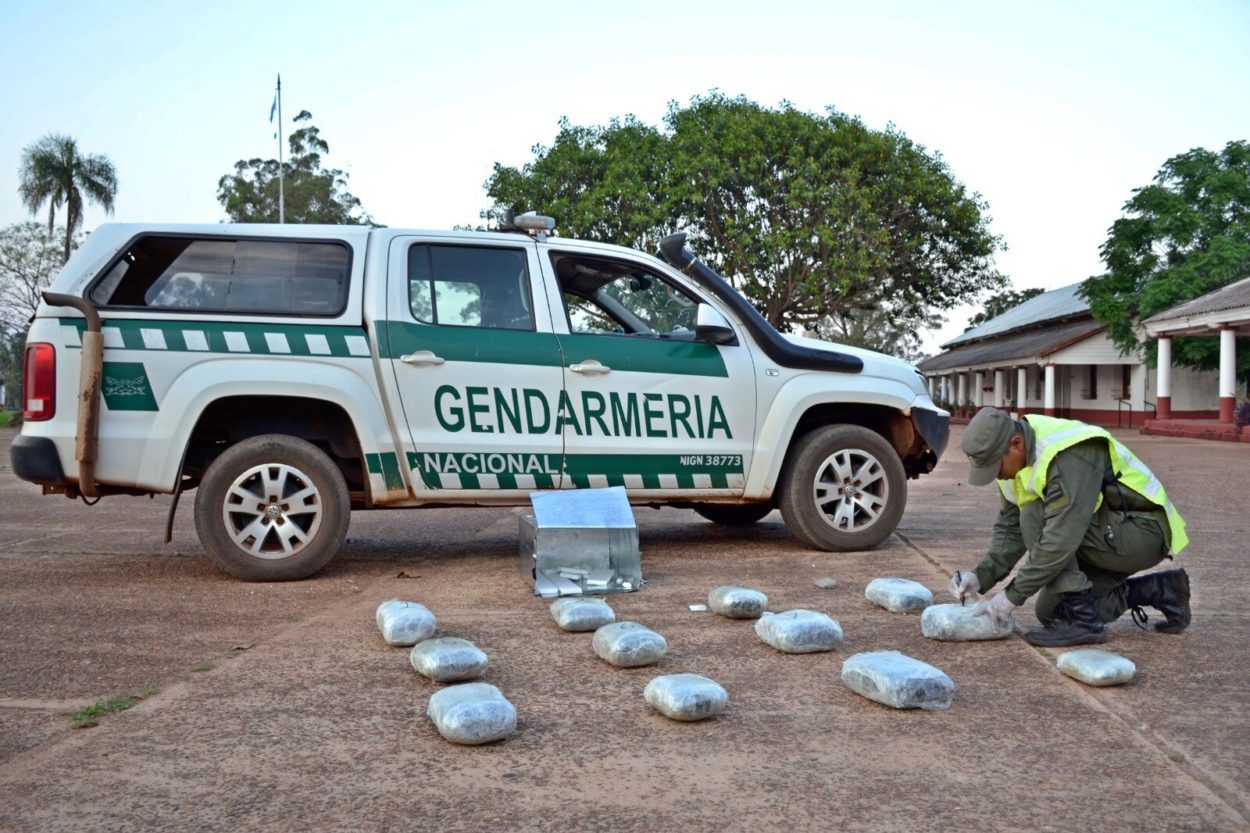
(1000, 609)
(963, 584)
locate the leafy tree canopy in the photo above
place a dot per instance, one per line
(1000, 302)
(53, 171)
(30, 257)
(1184, 235)
(313, 194)
(817, 219)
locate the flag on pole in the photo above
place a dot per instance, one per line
(273, 108)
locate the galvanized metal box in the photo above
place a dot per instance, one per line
(582, 541)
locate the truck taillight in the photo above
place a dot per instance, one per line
(39, 382)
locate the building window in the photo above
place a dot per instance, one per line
(1091, 384)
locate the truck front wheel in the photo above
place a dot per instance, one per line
(272, 508)
(844, 488)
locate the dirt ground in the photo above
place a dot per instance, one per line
(279, 707)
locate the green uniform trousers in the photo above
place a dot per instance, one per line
(1116, 545)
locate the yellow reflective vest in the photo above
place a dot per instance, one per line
(1053, 435)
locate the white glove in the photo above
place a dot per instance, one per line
(963, 584)
(1000, 609)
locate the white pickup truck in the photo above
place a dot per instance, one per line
(290, 374)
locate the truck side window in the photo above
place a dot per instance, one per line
(284, 277)
(605, 296)
(470, 286)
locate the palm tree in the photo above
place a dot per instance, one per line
(53, 171)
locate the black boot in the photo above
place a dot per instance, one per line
(1075, 622)
(1167, 592)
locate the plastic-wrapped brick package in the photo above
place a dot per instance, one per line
(686, 696)
(898, 680)
(737, 602)
(405, 623)
(628, 644)
(898, 595)
(799, 631)
(1094, 666)
(472, 714)
(448, 659)
(962, 623)
(580, 614)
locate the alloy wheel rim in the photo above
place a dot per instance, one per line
(272, 511)
(851, 490)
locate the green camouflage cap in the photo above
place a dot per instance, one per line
(985, 442)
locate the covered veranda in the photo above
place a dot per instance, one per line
(1223, 314)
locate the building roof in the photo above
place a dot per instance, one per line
(1234, 296)
(1058, 303)
(1032, 344)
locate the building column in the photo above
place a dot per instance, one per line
(1022, 389)
(978, 395)
(1228, 373)
(962, 394)
(998, 388)
(1048, 401)
(1137, 379)
(1164, 397)
(928, 383)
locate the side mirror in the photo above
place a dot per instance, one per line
(712, 327)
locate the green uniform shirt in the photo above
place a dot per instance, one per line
(1052, 529)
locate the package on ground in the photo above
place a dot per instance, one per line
(581, 614)
(686, 696)
(448, 659)
(799, 631)
(898, 595)
(405, 623)
(580, 541)
(1095, 666)
(962, 623)
(472, 713)
(737, 602)
(628, 644)
(898, 680)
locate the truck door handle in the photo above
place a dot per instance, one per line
(590, 367)
(422, 357)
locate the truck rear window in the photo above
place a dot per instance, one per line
(285, 277)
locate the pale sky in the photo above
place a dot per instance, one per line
(1053, 111)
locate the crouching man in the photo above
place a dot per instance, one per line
(1089, 514)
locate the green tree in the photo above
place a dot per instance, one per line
(53, 171)
(883, 329)
(1184, 235)
(30, 257)
(810, 216)
(1000, 302)
(312, 194)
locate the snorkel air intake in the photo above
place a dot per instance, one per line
(774, 344)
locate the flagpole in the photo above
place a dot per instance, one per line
(281, 183)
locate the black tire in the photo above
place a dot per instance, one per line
(726, 514)
(843, 488)
(248, 522)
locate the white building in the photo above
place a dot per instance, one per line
(1049, 355)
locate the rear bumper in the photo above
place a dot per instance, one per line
(35, 459)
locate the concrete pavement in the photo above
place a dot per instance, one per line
(278, 706)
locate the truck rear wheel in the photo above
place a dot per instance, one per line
(272, 508)
(728, 514)
(844, 488)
